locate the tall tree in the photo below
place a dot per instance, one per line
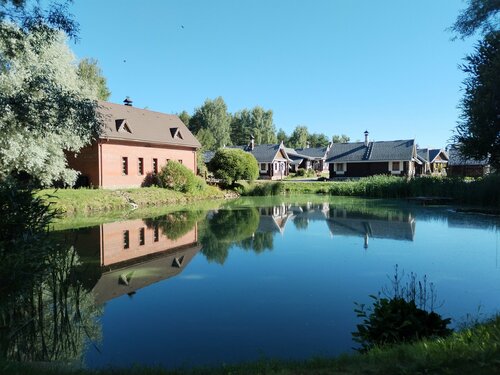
(480, 15)
(90, 72)
(478, 131)
(214, 118)
(298, 138)
(318, 140)
(45, 108)
(282, 137)
(262, 122)
(185, 117)
(241, 127)
(340, 138)
(256, 122)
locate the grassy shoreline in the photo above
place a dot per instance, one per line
(474, 350)
(90, 201)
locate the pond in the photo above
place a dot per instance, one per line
(248, 279)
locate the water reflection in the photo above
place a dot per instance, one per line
(136, 253)
(87, 278)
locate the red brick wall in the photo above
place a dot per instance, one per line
(112, 241)
(87, 162)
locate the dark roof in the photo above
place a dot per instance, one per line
(396, 230)
(134, 124)
(434, 152)
(263, 153)
(423, 153)
(314, 152)
(375, 151)
(456, 158)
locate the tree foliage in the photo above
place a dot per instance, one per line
(340, 138)
(185, 117)
(231, 165)
(478, 131)
(256, 122)
(318, 140)
(212, 117)
(30, 16)
(282, 137)
(480, 15)
(90, 73)
(298, 138)
(45, 108)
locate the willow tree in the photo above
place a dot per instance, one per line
(46, 109)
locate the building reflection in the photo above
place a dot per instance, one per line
(366, 223)
(123, 257)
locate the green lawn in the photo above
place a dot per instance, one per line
(87, 201)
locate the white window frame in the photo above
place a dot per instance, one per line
(344, 168)
(395, 171)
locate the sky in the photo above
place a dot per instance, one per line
(335, 66)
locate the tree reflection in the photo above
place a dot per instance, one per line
(51, 317)
(259, 242)
(176, 224)
(225, 228)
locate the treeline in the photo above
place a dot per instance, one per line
(215, 127)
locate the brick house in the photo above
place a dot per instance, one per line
(133, 143)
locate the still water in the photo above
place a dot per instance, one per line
(258, 278)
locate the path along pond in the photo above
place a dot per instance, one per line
(245, 280)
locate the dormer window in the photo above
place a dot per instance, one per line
(122, 126)
(176, 133)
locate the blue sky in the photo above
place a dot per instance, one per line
(336, 66)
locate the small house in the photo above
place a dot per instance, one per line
(368, 158)
(460, 165)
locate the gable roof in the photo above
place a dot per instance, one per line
(129, 123)
(313, 152)
(423, 154)
(433, 154)
(265, 153)
(456, 158)
(375, 151)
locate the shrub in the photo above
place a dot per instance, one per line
(401, 316)
(230, 165)
(177, 177)
(396, 320)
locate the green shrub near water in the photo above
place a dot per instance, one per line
(230, 165)
(177, 177)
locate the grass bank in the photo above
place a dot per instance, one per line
(484, 191)
(85, 201)
(475, 350)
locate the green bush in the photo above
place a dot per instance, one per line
(402, 316)
(230, 165)
(396, 320)
(176, 176)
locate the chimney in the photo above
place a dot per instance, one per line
(252, 143)
(128, 101)
(366, 138)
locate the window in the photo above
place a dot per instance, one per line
(124, 166)
(155, 166)
(166, 161)
(263, 166)
(339, 167)
(140, 166)
(180, 161)
(395, 166)
(275, 166)
(141, 236)
(156, 234)
(126, 239)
